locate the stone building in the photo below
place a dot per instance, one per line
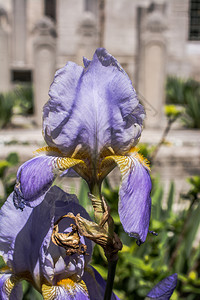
(150, 38)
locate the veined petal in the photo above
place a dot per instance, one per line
(66, 289)
(22, 234)
(36, 176)
(96, 284)
(74, 113)
(135, 202)
(53, 269)
(164, 289)
(10, 288)
(12, 222)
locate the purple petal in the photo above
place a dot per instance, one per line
(96, 284)
(12, 222)
(74, 113)
(70, 173)
(22, 233)
(135, 202)
(50, 253)
(14, 294)
(34, 178)
(69, 290)
(164, 289)
(86, 62)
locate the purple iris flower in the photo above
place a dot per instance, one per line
(91, 123)
(30, 254)
(164, 289)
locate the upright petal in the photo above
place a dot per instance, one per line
(164, 289)
(74, 113)
(135, 202)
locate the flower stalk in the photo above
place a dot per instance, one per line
(110, 278)
(102, 211)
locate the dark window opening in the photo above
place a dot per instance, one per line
(21, 75)
(194, 19)
(50, 9)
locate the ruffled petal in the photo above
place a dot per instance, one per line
(96, 285)
(135, 202)
(36, 176)
(10, 289)
(74, 116)
(164, 289)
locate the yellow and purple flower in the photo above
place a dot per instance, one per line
(27, 247)
(91, 123)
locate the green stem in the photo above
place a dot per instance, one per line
(98, 204)
(110, 278)
(111, 257)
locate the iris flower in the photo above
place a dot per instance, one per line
(30, 254)
(91, 123)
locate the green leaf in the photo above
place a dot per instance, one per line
(3, 165)
(13, 158)
(170, 199)
(102, 271)
(157, 203)
(192, 230)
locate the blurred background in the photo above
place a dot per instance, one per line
(158, 45)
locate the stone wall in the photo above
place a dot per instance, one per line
(121, 32)
(132, 35)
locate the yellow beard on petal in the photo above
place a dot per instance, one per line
(48, 150)
(10, 283)
(71, 285)
(143, 160)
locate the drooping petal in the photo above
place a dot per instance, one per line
(135, 202)
(21, 237)
(74, 116)
(96, 284)
(22, 233)
(10, 289)
(12, 222)
(36, 176)
(66, 289)
(164, 289)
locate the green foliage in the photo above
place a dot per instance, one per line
(29, 293)
(8, 174)
(191, 118)
(140, 268)
(6, 108)
(20, 101)
(187, 94)
(24, 99)
(172, 112)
